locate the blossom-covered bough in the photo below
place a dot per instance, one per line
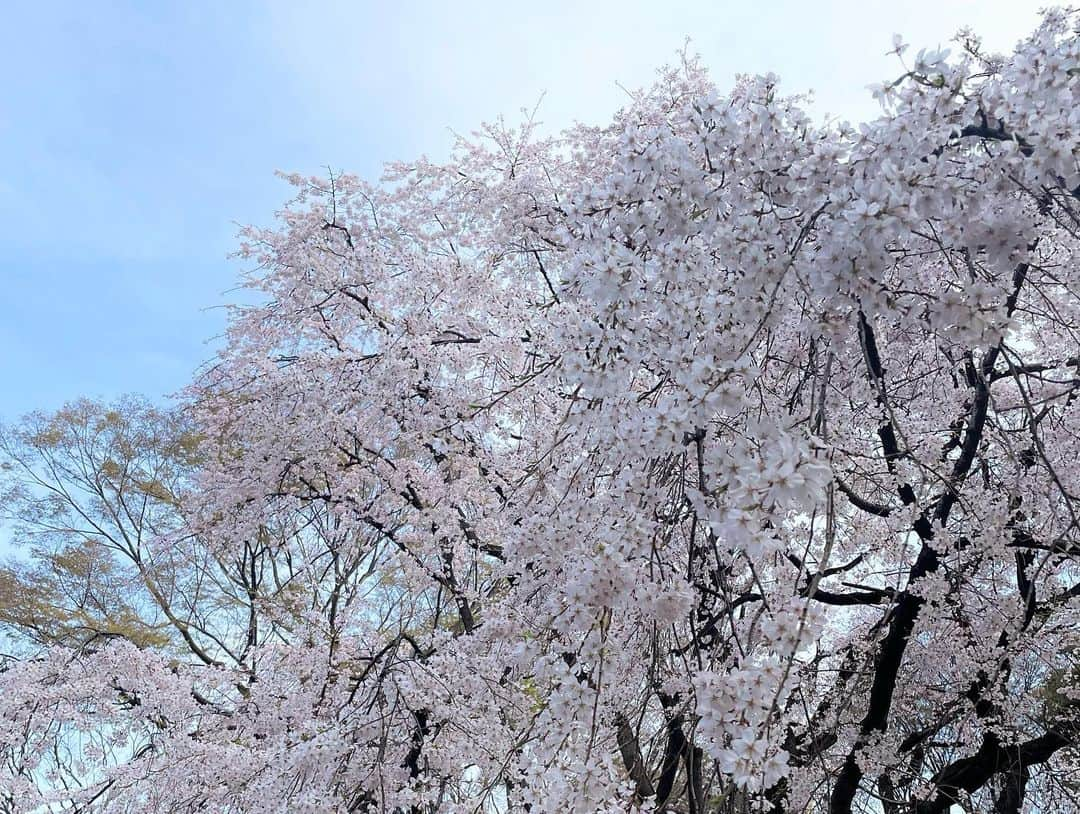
(709, 461)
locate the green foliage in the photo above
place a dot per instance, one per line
(86, 489)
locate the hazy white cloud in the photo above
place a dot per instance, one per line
(408, 72)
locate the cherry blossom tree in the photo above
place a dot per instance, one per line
(712, 460)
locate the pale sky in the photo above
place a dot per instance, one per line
(135, 136)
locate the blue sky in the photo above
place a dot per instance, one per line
(135, 136)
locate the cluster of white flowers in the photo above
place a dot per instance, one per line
(973, 315)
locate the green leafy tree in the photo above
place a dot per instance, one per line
(87, 490)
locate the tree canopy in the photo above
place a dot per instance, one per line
(709, 460)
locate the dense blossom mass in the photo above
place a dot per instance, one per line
(712, 460)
